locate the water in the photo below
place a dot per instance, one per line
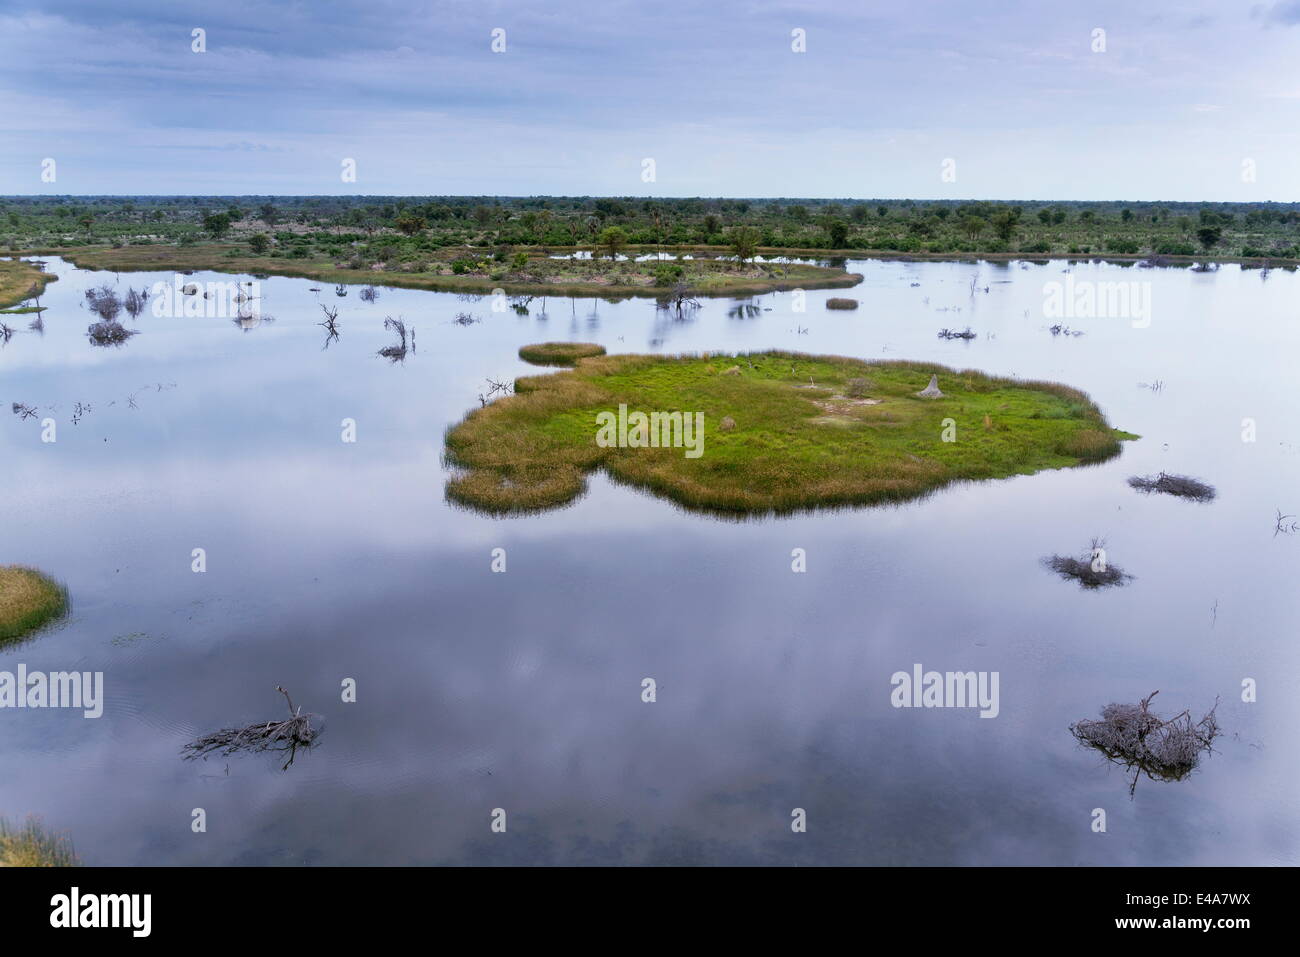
(522, 691)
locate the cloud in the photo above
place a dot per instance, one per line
(717, 96)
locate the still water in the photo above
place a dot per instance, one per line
(521, 690)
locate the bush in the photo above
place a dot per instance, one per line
(841, 303)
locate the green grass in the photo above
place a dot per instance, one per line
(29, 600)
(540, 276)
(559, 353)
(805, 434)
(18, 279)
(33, 846)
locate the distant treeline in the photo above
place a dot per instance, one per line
(414, 224)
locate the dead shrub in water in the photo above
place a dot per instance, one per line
(135, 301)
(1181, 486)
(287, 735)
(1092, 571)
(398, 352)
(103, 300)
(1131, 736)
(110, 332)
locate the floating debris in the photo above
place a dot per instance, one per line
(288, 735)
(1131, 736)
(1092, 571)
(1181, 486)
(110, 332)
(966, 333)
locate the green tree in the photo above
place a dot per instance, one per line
(216, 224)
(744, 241)
(1209, 236)
(259, 243)
(1005, 223)
(613, 240)
(837, 231)
(410, 225)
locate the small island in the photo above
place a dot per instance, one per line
(610, 273)
(770, 432)
(21, 280)
(29, 600)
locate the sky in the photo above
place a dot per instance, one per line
(1194, 100)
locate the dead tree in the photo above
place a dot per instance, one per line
(288, 735)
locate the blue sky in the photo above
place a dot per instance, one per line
(1011, 91)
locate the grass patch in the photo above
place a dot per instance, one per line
(32, 846)
(559, 353)
(839, 302)
(804, 432)
(21, 280)
(28, 601)
(538, 275)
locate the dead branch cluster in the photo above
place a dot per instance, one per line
(1181, 486)
(1091, 571)
(406, 340)
(1131, 736)
(288, 735)
(947, 333)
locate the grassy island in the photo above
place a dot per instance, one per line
(765, 432)
(476, 270)
(28, 600)
(21, 280)
(559, 353)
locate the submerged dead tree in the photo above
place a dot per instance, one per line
(1131, 736)
(289, 735)
(398, 352)
(330, 324)
(680, 299)
(1092, 571)
(1181, 486)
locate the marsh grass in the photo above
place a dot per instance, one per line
(21, 280)
(29, 601)
(32, 846)
(559, 353)
(542, 275)
(806, 436)
(836, 302)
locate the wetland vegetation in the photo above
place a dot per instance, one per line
(29, 600)
(783, 431)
